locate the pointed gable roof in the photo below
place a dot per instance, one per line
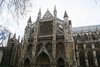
(29, 19)
(47, 16)
(65, 14)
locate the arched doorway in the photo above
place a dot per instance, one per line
(60, 63)
(43, 60)
(27, 63)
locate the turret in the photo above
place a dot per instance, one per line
(39, 15)
(29, 22)
(55, 11)
(14, 36)
(65, 17)
(19, 38)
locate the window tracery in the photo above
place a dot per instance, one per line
(49, 48)
(60, 49)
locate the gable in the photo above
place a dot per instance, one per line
(47, 16)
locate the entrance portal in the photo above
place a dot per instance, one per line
(60, 63)
(27, 63)
(43, 60)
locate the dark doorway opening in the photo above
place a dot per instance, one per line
(60, 63)
(43, 60)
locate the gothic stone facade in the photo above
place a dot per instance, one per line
(52, 42)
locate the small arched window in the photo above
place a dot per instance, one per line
(79, 38)
(85, 37)
(94, 37)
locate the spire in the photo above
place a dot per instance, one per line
(14, 36)
(65, 14)
(30, 20)
(39, 14)
(9, 35)
(55, 11)
(19, 38)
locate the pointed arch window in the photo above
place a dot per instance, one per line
(82, 59)
(79, 38)
(38, 47)
(60, 48)
(49, 47)
(85, 37)
(90, 58)
(29, 50)
(94, 37)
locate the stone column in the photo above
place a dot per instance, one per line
(84, 46)
(54, 39)
(95, 59)
(74, 49)
(86, 59)
(92, 46)
(78, 64)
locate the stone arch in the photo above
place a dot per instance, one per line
(98, 57)
(90, 58)
(93, 37)
(29, 50)
(60, 62)
(42, 60)
(60, 48)
(79, 38)
(82, 58)
(27, 63)
(49, 47)
(38, 48)
(85, 37)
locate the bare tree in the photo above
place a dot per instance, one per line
(15, 7)
(4, 33)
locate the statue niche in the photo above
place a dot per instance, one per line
(39, 46)
(49, 47)
(29, 50)
(60, 49)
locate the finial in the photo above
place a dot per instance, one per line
(55, 11)
(18, 38)
(39, 11)
(65, 14)
(30, 19)
(55, 8)
(14, 35)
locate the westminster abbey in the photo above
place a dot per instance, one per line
(52, 42)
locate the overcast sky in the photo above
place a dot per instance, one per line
(81, 12)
